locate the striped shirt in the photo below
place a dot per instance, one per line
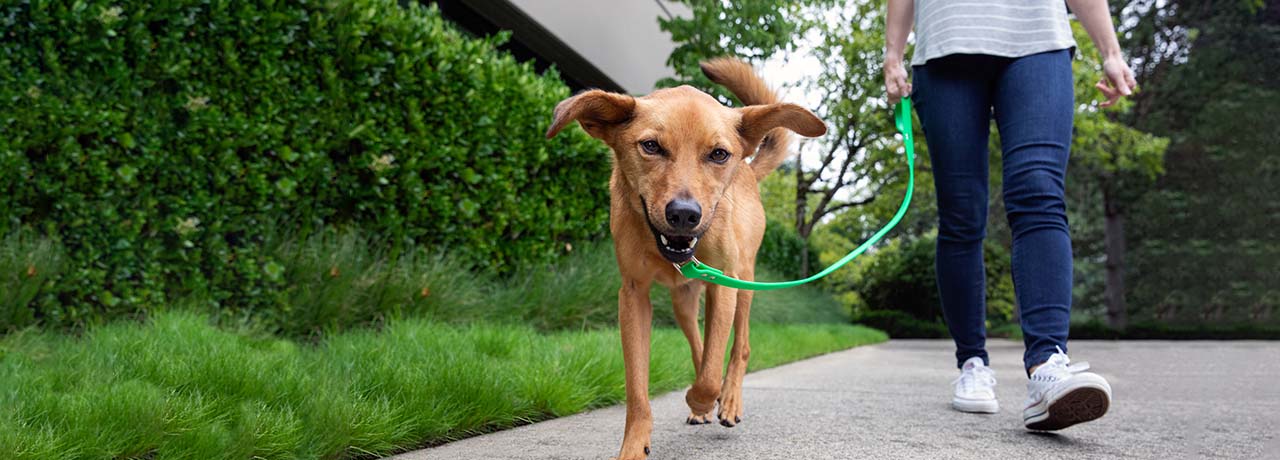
(1008, 28)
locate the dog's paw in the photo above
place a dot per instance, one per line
(640, 455)
(731, 408)
(695, 419)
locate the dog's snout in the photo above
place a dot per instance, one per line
(683, 214)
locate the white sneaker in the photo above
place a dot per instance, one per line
(1059, 395)
(975, 388)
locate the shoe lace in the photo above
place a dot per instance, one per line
(970, 378)
(1058, 367)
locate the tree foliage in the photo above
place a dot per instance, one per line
(752, 30)
(852, 166)
(1115, 164)
(1204, 237)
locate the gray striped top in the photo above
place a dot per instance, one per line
(1009, 28)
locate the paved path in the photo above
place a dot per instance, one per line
(1173, 400)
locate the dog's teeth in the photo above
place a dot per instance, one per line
(693, 242)
(664, 239)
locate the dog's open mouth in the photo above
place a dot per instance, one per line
(675, 248)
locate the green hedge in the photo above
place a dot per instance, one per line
(900, 276)
(156, 141)
(1148, 330)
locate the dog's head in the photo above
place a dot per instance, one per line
(678, 148)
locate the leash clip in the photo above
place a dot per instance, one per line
(680, 266)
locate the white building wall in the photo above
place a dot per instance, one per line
(620, 37)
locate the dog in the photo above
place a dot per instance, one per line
(682, 186)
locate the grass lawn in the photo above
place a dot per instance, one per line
(177, 387)
(578, 292)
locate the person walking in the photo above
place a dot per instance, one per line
(1011, 60)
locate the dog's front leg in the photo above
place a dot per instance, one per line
(635, 319)
(721, 303)
(684, 301)
(731, 392)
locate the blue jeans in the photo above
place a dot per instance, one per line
(1032, 100)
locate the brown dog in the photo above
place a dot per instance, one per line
(681, 186)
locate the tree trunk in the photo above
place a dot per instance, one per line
(1116, 313)
(802, 207)
(804, 260)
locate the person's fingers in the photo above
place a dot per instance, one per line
(896, 86)
(1106, 88)
(1120, 81)
(1128, 77)
(1112, 94)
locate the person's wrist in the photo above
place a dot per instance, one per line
(892, 65)
(1111, 53)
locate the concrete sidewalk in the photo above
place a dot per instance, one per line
(1173, 400)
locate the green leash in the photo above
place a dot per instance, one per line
(698, 270)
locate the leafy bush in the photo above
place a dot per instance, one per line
(782, 249)
(156, 141)
(901, 276)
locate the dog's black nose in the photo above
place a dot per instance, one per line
(683, 214)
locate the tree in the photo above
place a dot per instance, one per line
(1203, 246)
(1121, 160)
(751, 30)
(861, 159)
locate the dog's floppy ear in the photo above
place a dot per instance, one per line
(758, 120)
(595, 110)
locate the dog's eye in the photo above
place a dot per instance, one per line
(651, 147)
(718, 156)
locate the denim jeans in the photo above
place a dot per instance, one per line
(1032, 100)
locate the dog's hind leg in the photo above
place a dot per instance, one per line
(635, 319)
(721, 302)
(731, 392)
(684, 301)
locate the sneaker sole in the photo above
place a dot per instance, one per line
(1077, 406)
(975, 407)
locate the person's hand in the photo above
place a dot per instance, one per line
(895, 80)
(1118, 81)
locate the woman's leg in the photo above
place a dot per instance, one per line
(1034, 103)
(953, 99)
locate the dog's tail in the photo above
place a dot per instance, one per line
(743, 82)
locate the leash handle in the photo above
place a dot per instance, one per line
(902, 120)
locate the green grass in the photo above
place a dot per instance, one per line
(27, 263)
(397, 352)
(177, 387)
(335, 282)
(581, 292)
(340, 280)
